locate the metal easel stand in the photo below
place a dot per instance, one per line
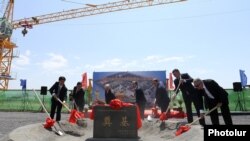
(239, 104)
(41, 109)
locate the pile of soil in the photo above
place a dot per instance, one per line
(151, 130)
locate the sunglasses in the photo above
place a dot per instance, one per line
(197, 85)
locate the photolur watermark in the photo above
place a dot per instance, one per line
(229, 132)
(215, 132)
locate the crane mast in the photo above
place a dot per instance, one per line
(8, 14)
(7, 25)
(6, 46)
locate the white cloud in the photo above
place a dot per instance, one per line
(114, 62)
(152, 58)
(110, 64)
(130, 64)
(23, 59)
(27, 52)
(55, 62)
(149, 63)
(161, 59)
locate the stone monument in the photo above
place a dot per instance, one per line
(115, 125)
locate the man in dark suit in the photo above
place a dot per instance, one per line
(108, 94)
(78, 97)
(214, 95)
(58, 90)
(139, 98)
(161, 96)
(184, 81)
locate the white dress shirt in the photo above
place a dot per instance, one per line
(208, 93)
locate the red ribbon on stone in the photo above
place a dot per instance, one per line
(139, 122)
(116, 104)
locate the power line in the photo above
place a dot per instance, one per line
(73, 2)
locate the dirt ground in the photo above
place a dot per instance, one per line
(20, 126)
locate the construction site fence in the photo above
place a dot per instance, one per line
(20, 100)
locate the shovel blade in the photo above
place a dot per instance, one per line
(149, 118)
(60, 133)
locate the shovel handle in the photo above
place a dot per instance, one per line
(41, 103)
(76, 105)
(216, 107)
(56, 130)
(62, 103)
(178, 87)
(171, 99)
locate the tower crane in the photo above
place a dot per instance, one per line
(6, 46)
(27, 23)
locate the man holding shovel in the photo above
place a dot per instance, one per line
(184, 81)
(78, 97)
(58, 90)
(215, 96)
(161, 96)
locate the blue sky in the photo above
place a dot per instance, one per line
(206, 38)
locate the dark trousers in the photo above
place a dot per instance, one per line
(142, 109)
(78, 105)
(164, 106)
(188, 99)
(56, 106)
(224, 111)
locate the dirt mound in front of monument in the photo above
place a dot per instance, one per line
(156, 130)
(150, 130)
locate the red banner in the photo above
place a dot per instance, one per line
(84, 80)
(170, 82)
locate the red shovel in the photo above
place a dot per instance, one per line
(49, 122)
(74, 114)
(186, 127)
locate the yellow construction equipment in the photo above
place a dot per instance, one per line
(6, 46)
(7, 25)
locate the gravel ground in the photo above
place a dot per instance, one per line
(12, 120)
